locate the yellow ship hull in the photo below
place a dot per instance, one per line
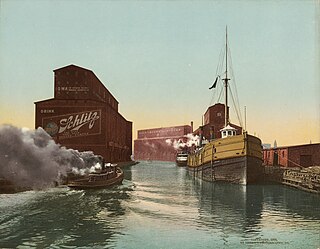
(236, 159)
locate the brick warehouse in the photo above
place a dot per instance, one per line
(84, 115)
(293, 156)
(151, 143)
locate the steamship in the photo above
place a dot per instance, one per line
(181, 159)
(235, 158)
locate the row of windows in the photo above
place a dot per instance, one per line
(229, 133)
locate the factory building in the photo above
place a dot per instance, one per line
(84, 115)
(293, 156)
(214, 119)
(157, 144)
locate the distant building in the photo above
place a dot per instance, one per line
(157, 143)
(304, 155)
(84, 115)
(214, 121)
(266, 146)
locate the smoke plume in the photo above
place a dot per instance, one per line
(188, 141)
(31, 158)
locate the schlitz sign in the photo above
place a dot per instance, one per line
(73, 124)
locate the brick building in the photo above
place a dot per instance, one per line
(214, 119)
(293, 156)
(156, 144)
(84, 115)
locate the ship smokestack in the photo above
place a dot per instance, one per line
(201, 136)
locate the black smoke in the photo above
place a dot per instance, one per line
(31, 158)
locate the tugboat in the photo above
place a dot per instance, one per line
(107, 177)
(235, 158)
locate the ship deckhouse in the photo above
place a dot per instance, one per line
(228, 131)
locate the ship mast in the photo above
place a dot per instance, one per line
(226, 122)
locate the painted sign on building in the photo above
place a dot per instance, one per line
(73, 124)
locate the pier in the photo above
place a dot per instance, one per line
(306, 179)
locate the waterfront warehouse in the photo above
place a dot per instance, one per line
(84, 115)
(301, 156)
(155, 144)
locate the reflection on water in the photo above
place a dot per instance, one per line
(160, 206)
(61, 217)
(236, 208)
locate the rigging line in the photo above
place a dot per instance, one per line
(215, 93)
(236, 90)
(236, 104)
(221, 90)
(286, 158)
(218, 73)
(236, 110)
(235, 85)
(220, 62)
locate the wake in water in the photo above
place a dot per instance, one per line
(32, 159)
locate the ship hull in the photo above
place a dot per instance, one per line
(96, 183)
(181, 163)
(239, 170)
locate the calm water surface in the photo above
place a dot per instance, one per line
(160, 206)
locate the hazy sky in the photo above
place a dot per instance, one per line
(158, 59)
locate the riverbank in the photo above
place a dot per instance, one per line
(306, 179)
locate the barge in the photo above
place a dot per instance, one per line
(307, 179)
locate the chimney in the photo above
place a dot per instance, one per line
(191, 126)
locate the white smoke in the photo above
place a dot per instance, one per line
(179, 144)
(84, 171)
(31, 158)
(168, 141)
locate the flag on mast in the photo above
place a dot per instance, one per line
(214, 84)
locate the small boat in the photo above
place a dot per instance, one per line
(105, 178)
(182, 159)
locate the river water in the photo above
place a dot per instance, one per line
(160, 206)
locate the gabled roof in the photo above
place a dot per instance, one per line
(72, 65)
(212, 106)
(228, 128)
(88, 70)
(53, 100)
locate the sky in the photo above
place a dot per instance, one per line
(158, 58)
